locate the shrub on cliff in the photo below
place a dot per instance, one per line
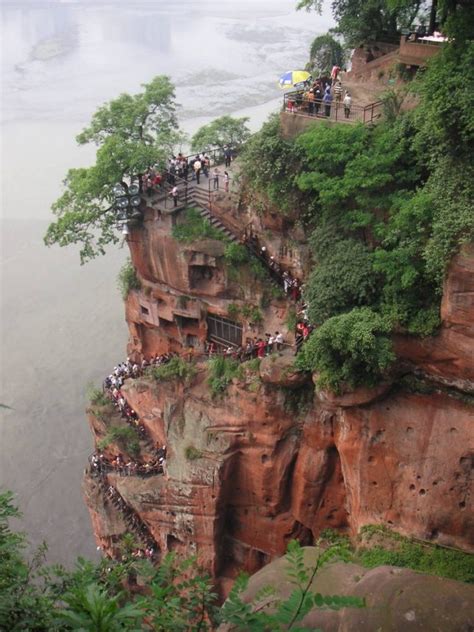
(353, 349)
(221, 372)
(195, 227)
(175, 369)
(128, 279)
(125, 437)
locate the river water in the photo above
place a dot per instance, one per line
(62, 324)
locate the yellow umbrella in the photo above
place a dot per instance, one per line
(290, 78)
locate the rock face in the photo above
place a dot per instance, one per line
(269, 460)
(397, 599)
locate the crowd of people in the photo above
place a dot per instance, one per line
(186, 168)
(100, 465)
(318, 96)
(134, 522)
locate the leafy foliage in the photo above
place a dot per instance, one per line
(221, 372)
(195, 227)
(96, 396)
(283, 614)
(325, 52)
(132, 132)
(430, 559)
(353, 349)
(192, 453)
(128, 279)
(268, 162)
(224, 130)
(176, 369)
(361, 21)
(125, 437)
(344, 277)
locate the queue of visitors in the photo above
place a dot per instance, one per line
(186, 168)
(318, 96)
(100, 465)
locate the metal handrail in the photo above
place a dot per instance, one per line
(363, 113)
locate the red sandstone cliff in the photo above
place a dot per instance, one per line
(271, 460)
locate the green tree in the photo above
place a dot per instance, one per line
(324, 53)
(352, 349)
(362, 21)
(224, 130)
(132, 132)
(90, 608)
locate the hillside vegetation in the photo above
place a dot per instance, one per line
(385, 208)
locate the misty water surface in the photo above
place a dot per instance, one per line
(63, 324)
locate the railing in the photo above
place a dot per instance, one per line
(296, 103)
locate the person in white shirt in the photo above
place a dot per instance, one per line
(347, 104)
(278, 340)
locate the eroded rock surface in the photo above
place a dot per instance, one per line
(268, 460)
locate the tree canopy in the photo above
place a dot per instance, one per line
(360, 21)
(385, 209)
(325, 52)
(224, 130)
(132, 133)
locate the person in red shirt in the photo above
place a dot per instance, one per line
(260, 348)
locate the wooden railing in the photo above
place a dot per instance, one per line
(296, 103)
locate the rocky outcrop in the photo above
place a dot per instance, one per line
(269, 460)
(397, 599)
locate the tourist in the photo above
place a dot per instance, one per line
(335, 73)
(216, 179)
(260, 348)
(311, 103)
(279, 341)
(327, 99)
(205, 165)
(338, 91)
(318, 95)
(197, 169)
(347, 104)
(226, 182)
(227, 156)
(174, 194)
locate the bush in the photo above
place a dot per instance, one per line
(192, 453)
(352, 349)
(343, 278)
(233, 311)
(236, 254)
(222, 371)
(96, 396)
(196, 227)
(431, 559)
(125, 437)
(127, 279)
(252, 313)
(175, 369)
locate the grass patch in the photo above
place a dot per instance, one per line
(429, 558)
(175, 369)
(125, 437)
(127, 279)
(192, 453)
(221, 373)
(195, 227)
(252, 313)
(96, 396)
(426, 559)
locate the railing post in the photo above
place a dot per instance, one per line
(364, 116)
(337, 108)
(372, 114)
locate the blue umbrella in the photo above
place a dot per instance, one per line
(292, 77)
